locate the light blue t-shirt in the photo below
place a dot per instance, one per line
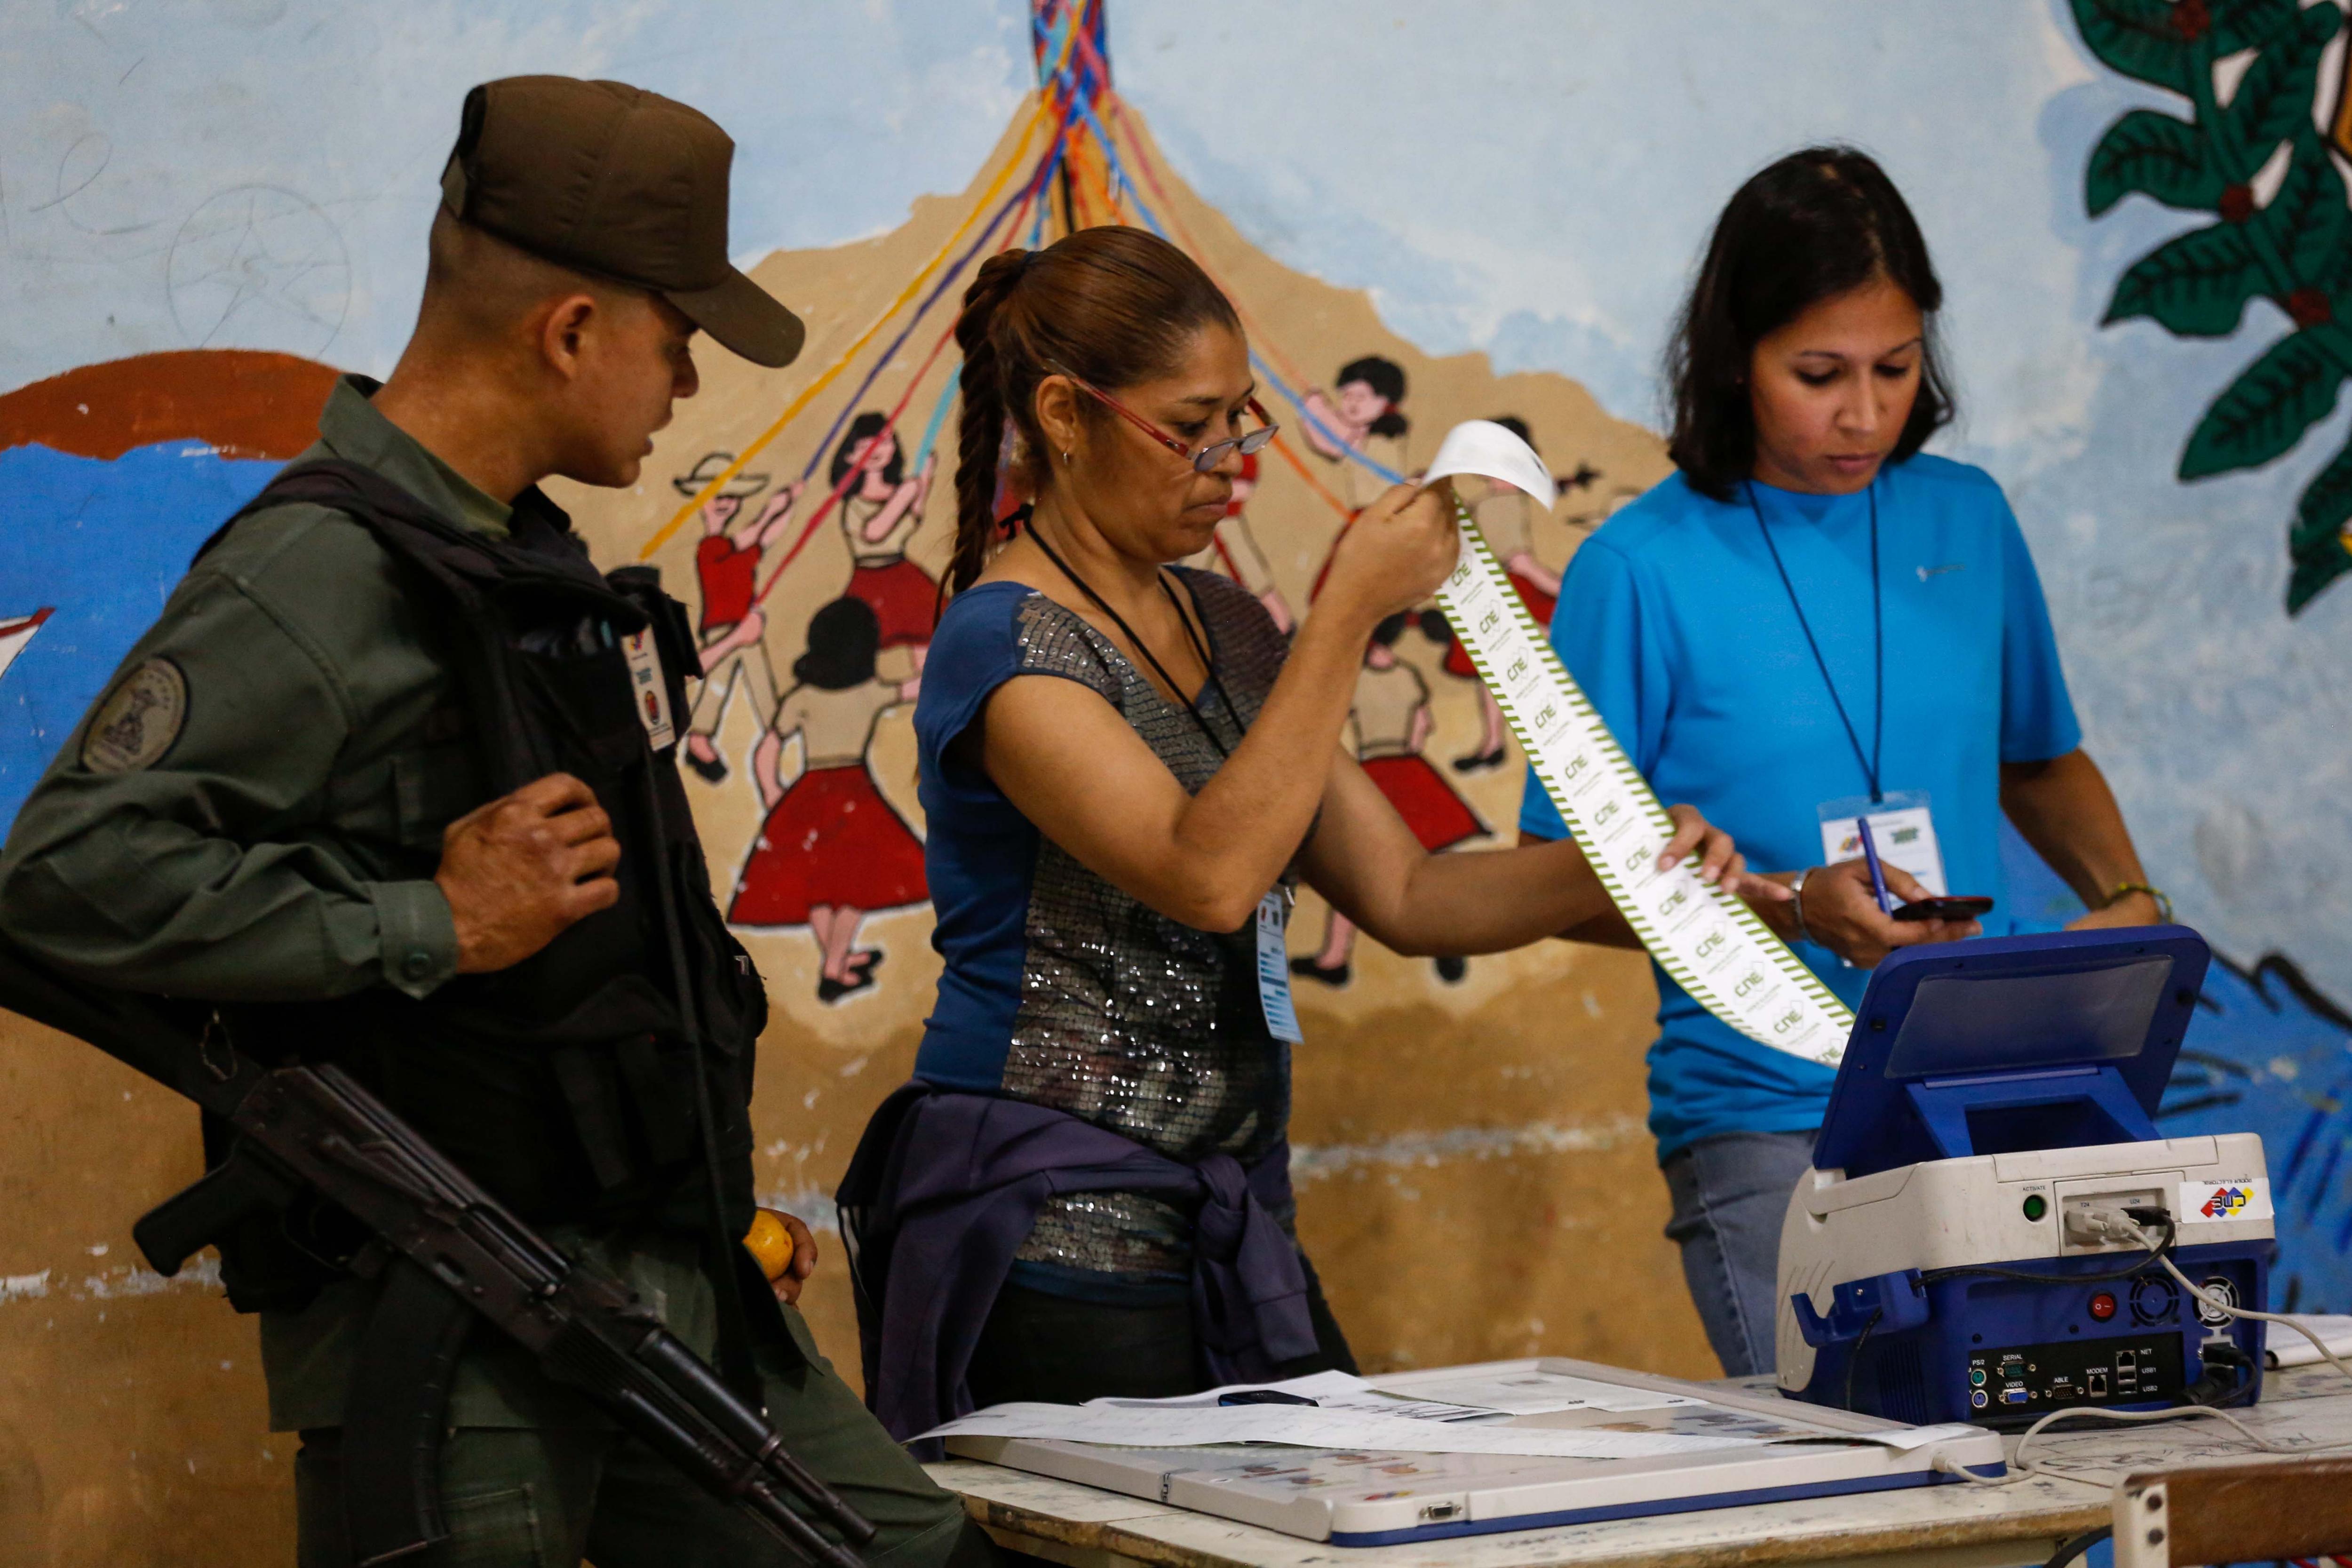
(1674, 620)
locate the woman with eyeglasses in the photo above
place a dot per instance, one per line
(1127, 771)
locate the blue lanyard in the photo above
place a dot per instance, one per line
(1869, 764)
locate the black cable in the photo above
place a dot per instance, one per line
(1232, 714)
(2155, 1258)
(1854, 1361)
(2219, 1354)
(2082, 1543)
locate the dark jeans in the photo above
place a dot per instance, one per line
(1062, 1350)
(1730, 1195)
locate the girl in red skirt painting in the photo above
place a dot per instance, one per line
(833, 850)
(1392, 723)
(879, 514)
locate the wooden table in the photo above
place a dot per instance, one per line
(1931, 1527)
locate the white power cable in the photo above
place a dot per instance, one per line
(2103, 1224)
(2112, 1223)
(1944, 1464)
(2018, 1469)
(2179, 1413)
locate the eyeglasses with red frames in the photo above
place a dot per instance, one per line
(1247, 444)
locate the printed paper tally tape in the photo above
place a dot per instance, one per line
(1712, 944)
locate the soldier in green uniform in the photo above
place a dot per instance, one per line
(302, 797)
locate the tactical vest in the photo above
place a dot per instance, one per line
(566, 1083)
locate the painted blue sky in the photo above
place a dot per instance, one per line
(103, 543)
(1529, 177)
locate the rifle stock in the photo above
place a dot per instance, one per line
(317, 1129)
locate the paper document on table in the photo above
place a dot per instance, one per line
(1308, 1427)
(1903, 1439)
(2283, 1347)
(1534, 1392)
(1714, 945)
(1330, 1390)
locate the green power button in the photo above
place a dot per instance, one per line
(2036, 1205)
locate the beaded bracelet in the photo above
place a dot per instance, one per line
(2163, 902)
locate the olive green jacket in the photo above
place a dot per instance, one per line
(252, 812)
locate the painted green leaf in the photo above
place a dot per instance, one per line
(2266, 410)
(2248, 24)
(2325, 563)
(2197, 285)
(2156, 155)
(2275, 95)
(2307, 219)
(2315, 543)
(2138, 37)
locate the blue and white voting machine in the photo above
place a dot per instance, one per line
(1468, 1450)
(1953, 1255)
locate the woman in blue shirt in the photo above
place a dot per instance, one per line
(1125, 772)
(1810, 622)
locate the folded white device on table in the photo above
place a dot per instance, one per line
(1513, 1445)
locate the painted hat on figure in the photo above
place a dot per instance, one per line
(709, 467)
(618, 183)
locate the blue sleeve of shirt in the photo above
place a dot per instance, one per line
(977, 648)
(2037, 716)
(1614, 653)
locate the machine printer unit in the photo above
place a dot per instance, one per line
(1936, 1264)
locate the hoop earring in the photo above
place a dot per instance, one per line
(1065, 460)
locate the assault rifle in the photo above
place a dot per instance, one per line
(449, 1253)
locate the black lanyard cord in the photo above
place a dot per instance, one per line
(1144, 648)
(1869, 764)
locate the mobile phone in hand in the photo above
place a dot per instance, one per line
(1957, 908)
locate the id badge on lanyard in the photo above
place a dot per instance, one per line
(1902, 826)
(647, 690)
(1274, 967)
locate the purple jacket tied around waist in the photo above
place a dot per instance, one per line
(942, 1192)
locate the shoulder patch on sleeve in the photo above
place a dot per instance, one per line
(138, 720)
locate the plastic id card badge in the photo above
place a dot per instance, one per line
(1274, 967)
(1900, 826)
(647, 690)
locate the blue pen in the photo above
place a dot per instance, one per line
(1877, 876)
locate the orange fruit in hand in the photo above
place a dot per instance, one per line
(771, 1243)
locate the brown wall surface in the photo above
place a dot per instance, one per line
(1473, 1173)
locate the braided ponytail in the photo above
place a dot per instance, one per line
(980, 424)
(1113, 304)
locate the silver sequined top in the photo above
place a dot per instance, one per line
(1129, 1019)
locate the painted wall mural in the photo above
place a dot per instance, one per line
(1390, 291)
(108, 475)
(2262, 151)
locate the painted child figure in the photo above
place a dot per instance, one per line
(1506, 519)
(880, 512)
(733, 629)
(1392, 723)
(1367, 418)
(1233, 550)
(833, 850)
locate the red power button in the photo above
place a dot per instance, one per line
(2102, 1306)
